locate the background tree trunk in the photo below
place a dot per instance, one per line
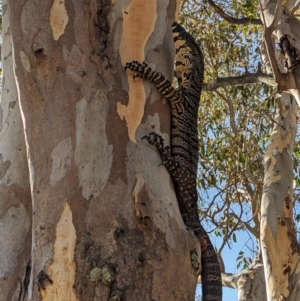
(105, 220)
(280, 249)
(278, 240)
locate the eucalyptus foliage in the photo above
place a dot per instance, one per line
(235, 121)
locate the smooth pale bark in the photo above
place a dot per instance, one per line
(279, 23)
(105, 222)
(249, 283)
(278, 240)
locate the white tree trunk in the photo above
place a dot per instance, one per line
(278, 241)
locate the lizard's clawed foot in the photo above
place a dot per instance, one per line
(141, 69)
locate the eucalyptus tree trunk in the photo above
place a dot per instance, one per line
(15, 198)
(278, 239)
(90, 213)
(280, 249)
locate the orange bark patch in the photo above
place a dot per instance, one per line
(58, 18)
(62, 269)
(138, 23)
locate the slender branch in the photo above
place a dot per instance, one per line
(232, 19)
(245, 224)
(203, 213)
(233, 229)
(252, 178)
(294, 9)
(277, 15)
(269, 45)
(247, 78)
(231, 111)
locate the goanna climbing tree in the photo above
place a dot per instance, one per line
(181, 158)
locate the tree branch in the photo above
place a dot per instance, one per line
(279, 77)
(230, 280)
(277, 14)
(231, 111)
(247, 78)
(294, 9)
(232, 19)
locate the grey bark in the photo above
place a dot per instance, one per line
(105, 221)
(15, 200)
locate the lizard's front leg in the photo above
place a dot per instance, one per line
(142, 70)
(163, 85)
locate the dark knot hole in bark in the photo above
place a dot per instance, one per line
(39, 51)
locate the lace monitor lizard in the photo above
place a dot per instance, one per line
(181, 159)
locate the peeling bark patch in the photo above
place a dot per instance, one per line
(61, 160)
(93, 155)
(277, 145)
(13, 228)
(25, 61)
(11, 105)
(137, 28)
(281, 261)
(76, 71)
(58, 18)
(142, 202)
(58, 285)
(4, 166)
(103, 26)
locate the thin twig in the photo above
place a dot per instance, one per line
(247, 78)
(269, 46)
(231, 19)
(231, 111)
(293, 10)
